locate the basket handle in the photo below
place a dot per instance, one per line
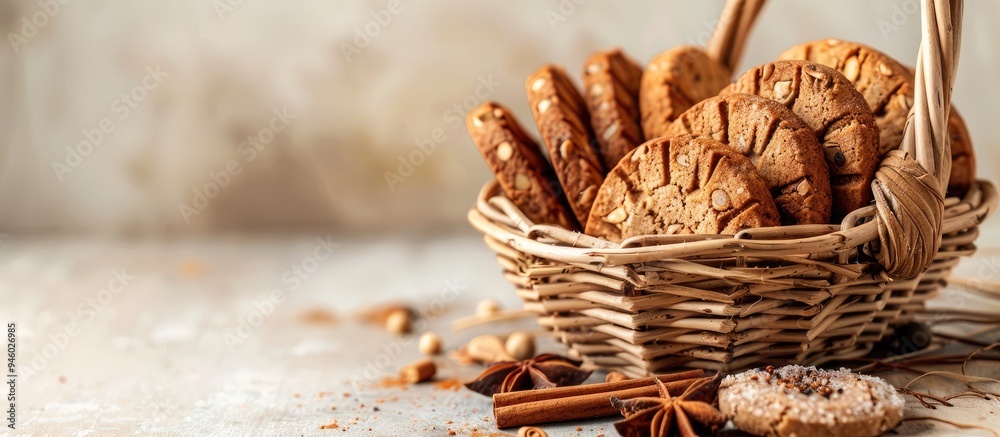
(909, 186)
(732, 32)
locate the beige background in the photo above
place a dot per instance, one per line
(354, 119)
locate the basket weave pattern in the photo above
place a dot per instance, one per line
(794, 294)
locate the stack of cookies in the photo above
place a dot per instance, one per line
(679, 148)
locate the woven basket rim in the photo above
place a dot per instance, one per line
(496, 216)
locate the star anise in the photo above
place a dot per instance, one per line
(543, 371)
(689, 414)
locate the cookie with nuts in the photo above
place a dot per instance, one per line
(888, 87)
(561, 115)
(830, 105)
(886, 84)
(782, 147)
(804, 401)
(520, 168)
(681, 185)
(611, 90)
(674, 81)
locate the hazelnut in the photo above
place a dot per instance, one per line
(487, 349)
(720, 200)
(565, 148)
(617, 216)
(430, 344)
(520, 345)
(682, 159)
(610, 131)
(399, 322)
(782, 89)
(596, 90)
(544, 106)
(521, 181)
(537, 84)
(504, 151)
(804, 188)
(487, 307)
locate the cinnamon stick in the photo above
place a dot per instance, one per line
(580, 402)
(525, 396)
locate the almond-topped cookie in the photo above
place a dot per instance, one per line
(516, 160)
(886, 84)
(782, 147)
(805, 401)
(562, 119)
(611, 90)
(835, 111)
(681, 185)
(674, 81)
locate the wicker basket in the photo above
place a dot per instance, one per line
(795, 294)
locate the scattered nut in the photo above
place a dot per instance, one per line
(782, 89)
(504, 151)
(615, 376)
(720, 200)
(487, 349)
(588, 195)
(521, 345)
(487, 307)
(399, 322)
(531, 431)
(617, 216)
(832, 41)
(852, 69)
(419, 371)
(430, 344)
(521, 181)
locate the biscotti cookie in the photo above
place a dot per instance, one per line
(804, 401)
(611, 89)
(673, 82)
(963, 160)
(832, 108)
(886, 84)
(562, 119)
(681, 185)
(778, 142)
(523, 173)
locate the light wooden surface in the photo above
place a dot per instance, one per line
(155, 359)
